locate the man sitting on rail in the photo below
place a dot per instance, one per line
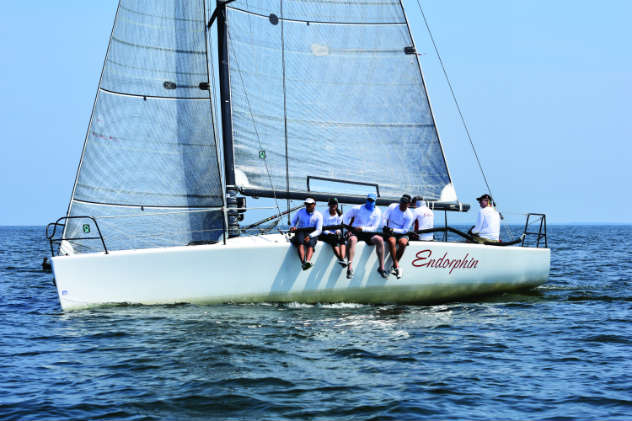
(364, 221)
(487, 228)
(308, 224)
(423, 218)
(397, 221)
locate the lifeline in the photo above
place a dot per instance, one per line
(423, 259)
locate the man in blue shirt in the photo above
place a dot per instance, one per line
(308, 217)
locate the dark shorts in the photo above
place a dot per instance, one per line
(332, 239)
(397, 236)
(299, 238)
(362, 236)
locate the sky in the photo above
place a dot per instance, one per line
(544, 86)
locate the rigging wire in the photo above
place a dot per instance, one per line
(254, 125)
(456, 102)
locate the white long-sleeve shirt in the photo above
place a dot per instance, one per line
(302, 219)
(425, 220)
(363, 218)
(488, 224)
(396, 219)
(328, 219)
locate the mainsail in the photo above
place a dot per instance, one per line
(330, 90)
(150, 149)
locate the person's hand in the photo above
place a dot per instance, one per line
(338, 232)
(387, 230)
(307, 239)
(357, 229)
(292, 229)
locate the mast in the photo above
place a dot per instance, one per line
(227, 123)
(224, 94)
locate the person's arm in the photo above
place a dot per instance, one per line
(429, 220)
(339, 222)
(479, 224)
(406, 226)
(350, 218)
(387, 213)
(294, 221)
(319, 226)
(346, 217)
(416, 225)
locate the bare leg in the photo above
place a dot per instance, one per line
(343, 251)
(379, 249)
(402, 243)
(351, 248)
(392, 248)
(301, 252)
(310, 253)
(337, 251)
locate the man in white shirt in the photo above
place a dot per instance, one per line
(364, 221)
(397, 221)
(423, 218)
(308, 217)
(487, 228)
(334, 238)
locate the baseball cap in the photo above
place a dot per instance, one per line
(309, 200)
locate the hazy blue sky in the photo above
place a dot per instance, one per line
(545, 87)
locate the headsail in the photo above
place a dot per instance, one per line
(150, 147)
(331, 90)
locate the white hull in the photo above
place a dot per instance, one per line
(266, 268)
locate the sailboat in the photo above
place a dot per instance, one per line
(317, 98)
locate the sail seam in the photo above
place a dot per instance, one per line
(139, 205)
(151, 47)
(331, 123)
(152, 96)
(154, 142)
(104, 189)
(318, 22)
(334, 51)
(412, 83)
(154, 70)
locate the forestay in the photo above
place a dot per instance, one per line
(331, 89)
(150, 148)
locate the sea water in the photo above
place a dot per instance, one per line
(561, 351)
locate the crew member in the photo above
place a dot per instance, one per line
(334, 237)
(423, 218)
(305, 239)
(487, 228)
(397, 221)
(364, 221)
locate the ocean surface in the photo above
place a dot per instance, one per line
(562, 351)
